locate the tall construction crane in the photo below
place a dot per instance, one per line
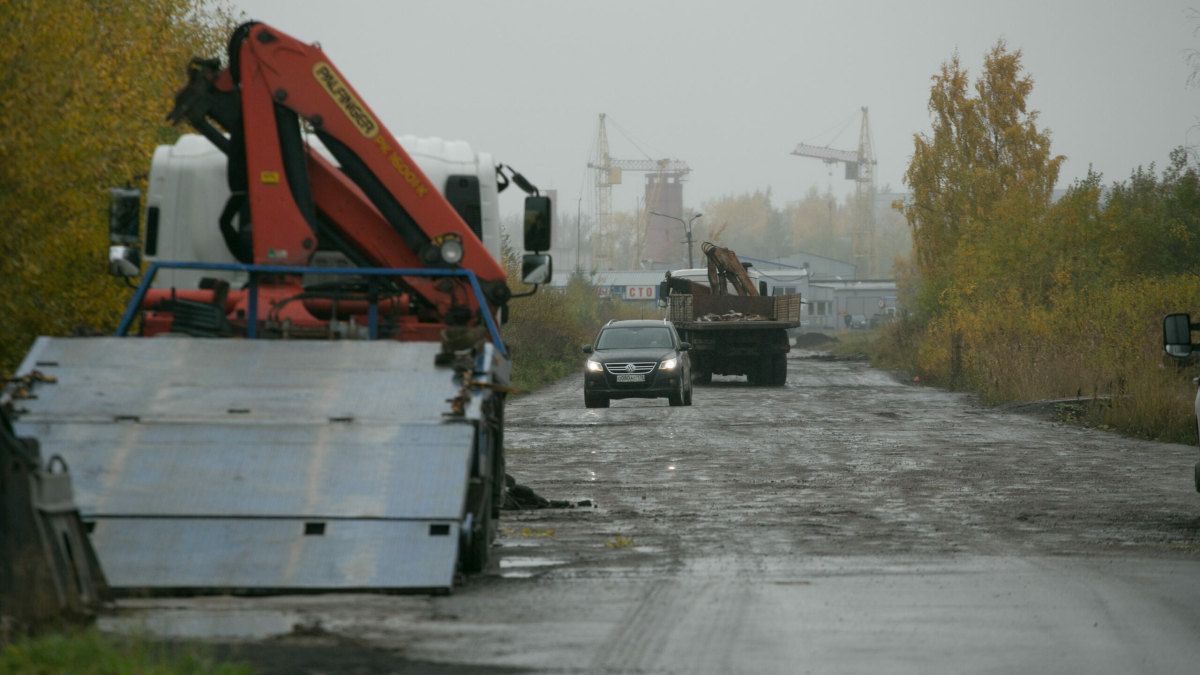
(860, 167)
(608, 173)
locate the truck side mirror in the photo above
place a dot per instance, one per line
(124, 211)
(536, 268)
(685, 346)
(586, 349)
(1177, 335)
(537, 224)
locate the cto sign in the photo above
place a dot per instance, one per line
(628, 292)
(641, 292)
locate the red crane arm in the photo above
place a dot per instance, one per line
(339, 201)
(378, 203)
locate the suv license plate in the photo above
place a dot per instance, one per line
(631, 378)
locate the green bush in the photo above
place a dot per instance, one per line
(545, 331)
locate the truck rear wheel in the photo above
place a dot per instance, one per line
(761, 373)
(779, 370)
(473, 554)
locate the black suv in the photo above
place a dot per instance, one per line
(637, 359)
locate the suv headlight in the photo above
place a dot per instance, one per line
(595, 366)
(669, 364)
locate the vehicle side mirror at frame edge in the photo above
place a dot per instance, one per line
(1177, 335)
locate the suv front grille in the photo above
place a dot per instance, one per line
(640, 368)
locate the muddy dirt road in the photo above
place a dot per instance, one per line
(849, 522)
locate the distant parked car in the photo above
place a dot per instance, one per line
(637, 359)
(858, 321)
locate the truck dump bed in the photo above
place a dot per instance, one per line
(735, 312)
(261, 465)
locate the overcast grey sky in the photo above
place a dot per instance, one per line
(731, 88)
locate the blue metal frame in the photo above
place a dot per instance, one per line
(254, 270)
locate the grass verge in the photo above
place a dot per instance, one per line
(1113, 364)
(850, 343)
(545, 331)
(91, 653)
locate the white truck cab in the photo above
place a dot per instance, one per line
(188, 190)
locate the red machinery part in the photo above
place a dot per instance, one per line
(377, 206)
(281, 302)
(276, 68)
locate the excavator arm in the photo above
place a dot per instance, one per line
(724, 267)
(377, 206)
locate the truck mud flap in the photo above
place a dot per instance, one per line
(258, 466)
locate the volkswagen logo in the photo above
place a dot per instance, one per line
(630, 368)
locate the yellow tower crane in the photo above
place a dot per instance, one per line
(608, 173)
(860, 167)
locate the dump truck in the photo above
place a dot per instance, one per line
(306, 391)
(744, 333)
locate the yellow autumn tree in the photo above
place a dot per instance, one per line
(1017, 297)
(83, 100)
(981, 182)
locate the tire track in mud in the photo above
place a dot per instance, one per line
(643, 632)
(681, 625)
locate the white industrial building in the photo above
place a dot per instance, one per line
(642, 285)
(819, 267)
(831, 293)
(830, 302)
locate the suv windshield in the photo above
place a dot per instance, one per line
(641, 337)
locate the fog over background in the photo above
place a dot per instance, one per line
(731, 88)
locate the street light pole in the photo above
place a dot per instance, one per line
(687, 230)
(578, 245)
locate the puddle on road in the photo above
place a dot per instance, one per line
(517, 561)
(518, 567)
(209, 625)
(519, 543)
